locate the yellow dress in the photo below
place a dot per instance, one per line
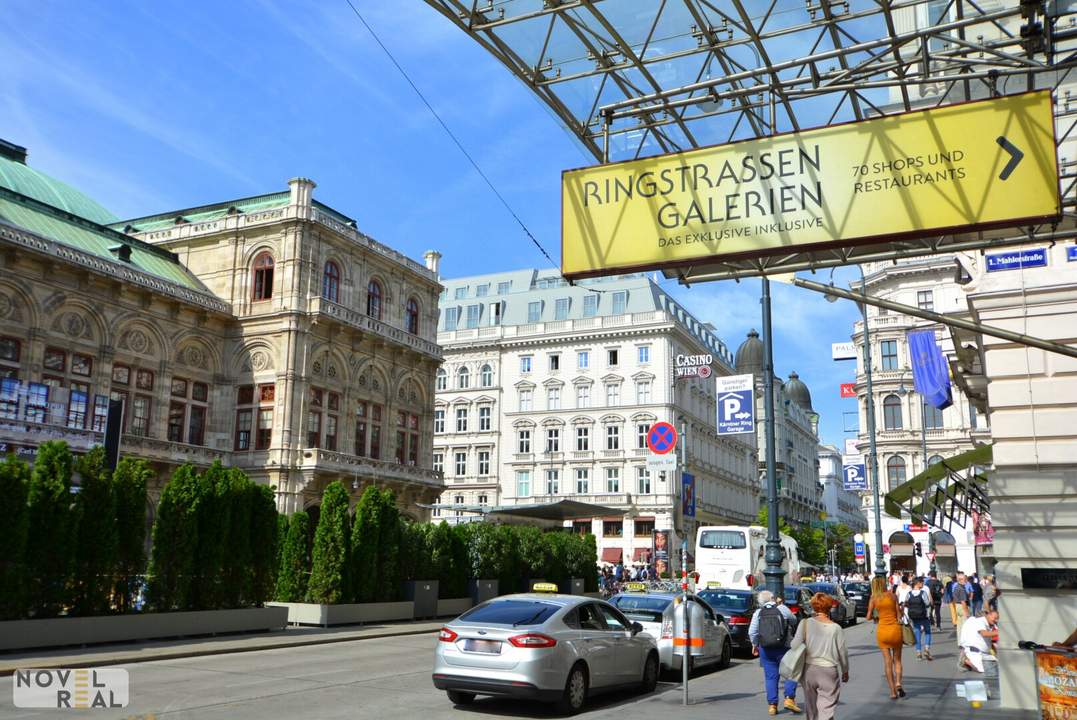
(887, 630)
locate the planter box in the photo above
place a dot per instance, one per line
(424, 594)
(578, 585)
(57, 632)
(453, 607)
(482, 590)
(349, 614)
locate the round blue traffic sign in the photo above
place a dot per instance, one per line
(661, 438)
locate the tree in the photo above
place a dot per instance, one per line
(388, 586)
(208, 589)
(294, 560)
(236, 575)
(94, 518)
(328, 575)
(365, 537)
(263, 543)
(175, 542)
(48, 552)
(14, 487)
(129, 482)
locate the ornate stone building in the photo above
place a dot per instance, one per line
(266, 332)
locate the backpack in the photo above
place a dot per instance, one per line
(916, 605)
(772, 628)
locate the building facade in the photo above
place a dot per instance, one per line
(796, 438)
(267, 333)
(548, 390)
(840, 505)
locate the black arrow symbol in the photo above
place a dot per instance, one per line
(1015, 157)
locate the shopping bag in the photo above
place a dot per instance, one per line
(907, 635)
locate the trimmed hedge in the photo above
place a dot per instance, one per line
(14, 489)
(294, 559)
(329, 571)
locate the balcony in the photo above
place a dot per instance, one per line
(320, 308)
(320, 460)
(579, 455)
(171, 452)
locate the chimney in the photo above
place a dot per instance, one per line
(300, 191)
(433, 259)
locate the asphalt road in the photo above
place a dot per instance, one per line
(390, 678)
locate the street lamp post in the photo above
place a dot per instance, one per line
(773, 553)
(923, 451)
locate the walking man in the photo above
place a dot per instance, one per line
(935, 588)
(960, 596)
(770, 632)
(918, 608)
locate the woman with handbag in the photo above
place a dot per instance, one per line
(825, 658)
(888, 633)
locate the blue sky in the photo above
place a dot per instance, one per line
(151, 107)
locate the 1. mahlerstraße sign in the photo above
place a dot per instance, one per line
(975, 165)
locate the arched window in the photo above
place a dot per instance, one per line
(331, 282)
(895, 471)
(263, 277)
(373, 300)
(442, 381)
(934, 460)
(486, 376)
(411, 317)
(463, 378)
(892, 412)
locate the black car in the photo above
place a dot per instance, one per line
(844, 613)
(798, 600)
(737, 607)
(860, 593)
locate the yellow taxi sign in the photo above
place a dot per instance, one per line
(711, 584)
(636, 587)
(544, 588)
(958, 168)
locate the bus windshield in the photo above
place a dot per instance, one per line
(722, 540)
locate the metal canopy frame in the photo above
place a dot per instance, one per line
(633, 78)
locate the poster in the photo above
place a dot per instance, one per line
(983, 530)
(1056, 684)
(660, 541)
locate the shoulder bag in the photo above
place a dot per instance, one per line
(907, 635)
(794, 660)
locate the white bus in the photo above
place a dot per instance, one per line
(731, 556)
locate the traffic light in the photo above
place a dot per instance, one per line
(919, 550)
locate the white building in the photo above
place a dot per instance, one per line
(841, 505)
(548, 390)
(796, 437)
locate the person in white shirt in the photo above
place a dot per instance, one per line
(917, 603)
(903, 589)
(975, 639)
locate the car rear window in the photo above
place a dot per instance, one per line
(823, 588)
(511, 612)
(641, 607)
(726, 600)
(722, 540)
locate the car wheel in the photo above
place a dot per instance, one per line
(456, 697)
(575, 694)
(650, 674)
(727, 655)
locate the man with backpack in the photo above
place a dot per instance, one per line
(918, 605)
(935, 588)
(770, 632)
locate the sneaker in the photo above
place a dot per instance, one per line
(791, 705)
(772, 709)
(927, 654)
(919, 656)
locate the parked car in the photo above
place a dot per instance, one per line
(860, 593)
(737, 608)
(844, 613)
(543, 646)
(661, 615)
(798, 599)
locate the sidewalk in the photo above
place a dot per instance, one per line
(124, 653)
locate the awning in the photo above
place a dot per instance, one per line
(641, 555)
(551, 514)
(612, 555)
(948, 491)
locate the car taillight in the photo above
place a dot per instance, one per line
(532, 640)
(739, 620)
(447, 635)
(667, 629)
(794, 609)
(751, 580)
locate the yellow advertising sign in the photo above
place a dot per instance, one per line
(951, 169)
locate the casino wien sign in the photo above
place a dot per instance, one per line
(686, 366)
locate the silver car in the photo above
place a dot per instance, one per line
(661, 615)
(539, 646)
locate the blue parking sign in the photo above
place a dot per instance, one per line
(736, 405)
(856, 477)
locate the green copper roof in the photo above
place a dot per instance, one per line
(23, 179)
(89, 237)
(204, 213)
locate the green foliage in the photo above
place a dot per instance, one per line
(48, 544)
(365, 536)
(95, 537)
(328, 576)
(294, 560)
(813, 543)
(129, 482)
(14, 487)
(263, 543)
(389, 539)
(214, 523)
(175, 542)
(236, 572)
(534, 553)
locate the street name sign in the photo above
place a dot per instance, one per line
(966, 166)
(736, 404)
(1017, 259)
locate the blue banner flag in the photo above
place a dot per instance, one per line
(930, 374)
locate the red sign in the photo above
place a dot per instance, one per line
(662, 438)
(917, 528)
(931, 556)
(848, 390)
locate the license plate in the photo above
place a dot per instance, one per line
(492, 647)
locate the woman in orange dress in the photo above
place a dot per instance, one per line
(887, 633)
